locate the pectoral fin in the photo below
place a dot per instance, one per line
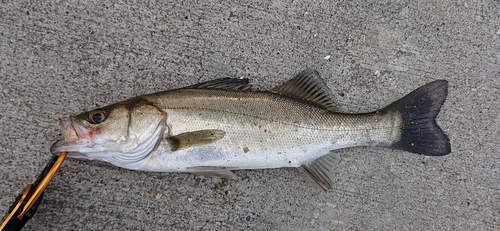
(193, 139)
(321, 170)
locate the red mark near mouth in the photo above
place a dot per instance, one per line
(93, 131)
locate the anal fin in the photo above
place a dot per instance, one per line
(321, 170)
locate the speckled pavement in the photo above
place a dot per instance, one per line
(59, 58)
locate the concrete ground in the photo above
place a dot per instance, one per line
(59, 58)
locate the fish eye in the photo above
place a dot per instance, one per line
(97, 116)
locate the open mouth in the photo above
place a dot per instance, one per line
(75, 139)
(69, 130)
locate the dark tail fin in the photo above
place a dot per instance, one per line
(420, 132)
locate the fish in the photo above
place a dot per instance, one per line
(223, 125)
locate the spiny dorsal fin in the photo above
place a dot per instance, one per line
(307, 86)
(224, 83)
(321, 170)
(193, 139)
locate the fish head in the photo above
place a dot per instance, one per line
(122, 134)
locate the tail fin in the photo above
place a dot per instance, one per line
(420, 132)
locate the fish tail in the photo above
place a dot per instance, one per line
(420, 132)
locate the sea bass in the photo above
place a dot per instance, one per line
(223, 125)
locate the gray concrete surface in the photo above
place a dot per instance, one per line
(59, 58)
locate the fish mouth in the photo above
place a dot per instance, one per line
(76, 138)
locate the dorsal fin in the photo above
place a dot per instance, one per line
(307, 86)
(224, 83)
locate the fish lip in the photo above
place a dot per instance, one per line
(71, 147)
(75, 138)
(70, 133)
(73, 131)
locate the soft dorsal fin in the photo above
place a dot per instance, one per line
(224, 83)
(307, 86)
